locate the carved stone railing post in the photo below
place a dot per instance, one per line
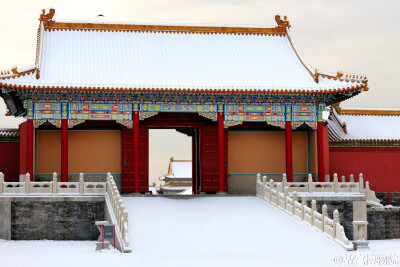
(285, 194)
(335, 220)
(371, 195)
(343, 179)
(360, 234)
(361, 183)
(81, 184)
(121, 213)
(351, 178)
(125, 235)
(264, 179)
(313, 208)
(303, 204)
(324, 214)
(117, 200)
(295, 197)
(27, 183)
(279, 187)
(258, 181)
(310, 183)
(335, 183)
(271, 186)
(54, 183)
(1, 182)
(262, 189)
(284, 180)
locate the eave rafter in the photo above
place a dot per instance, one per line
(172, 90)
(364, 143)
(15, 73)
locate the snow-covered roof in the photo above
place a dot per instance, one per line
(111, 56)
(175, 188)
(364, 125)
(179, 169)
(188, 191)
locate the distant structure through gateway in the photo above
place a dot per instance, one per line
(178, 180)
(245, 95)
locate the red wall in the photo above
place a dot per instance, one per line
(380, 166)
(9, 160)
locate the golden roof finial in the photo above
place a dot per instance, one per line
(282, 23)
(14, 70)
(47, 18)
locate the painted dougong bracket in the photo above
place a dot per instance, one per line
(209, 115)
(37, 123)
(146, 114)
(72, 123)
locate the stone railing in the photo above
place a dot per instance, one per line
(331, 228)
(118, 215)
(116, 212)
(323, 187)
(52, 188)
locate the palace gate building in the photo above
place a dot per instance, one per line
(246, 96)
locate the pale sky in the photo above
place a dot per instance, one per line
(164, 144)
(358, 36)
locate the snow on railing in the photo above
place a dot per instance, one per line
(54, 187)
(270, 191)
(118, 215)
(334, 187)
(116, 209)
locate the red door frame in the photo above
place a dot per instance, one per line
(179, 120)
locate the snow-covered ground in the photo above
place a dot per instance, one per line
(205, 231)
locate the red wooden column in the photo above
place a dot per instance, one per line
(289, 151)
(320, 148)
(288, 143)
(64, 150)
(135, 134)
(221, 167)
(29, 147)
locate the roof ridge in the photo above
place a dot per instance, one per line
(49, 23)
(165, 23)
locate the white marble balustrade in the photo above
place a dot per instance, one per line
(277, 194)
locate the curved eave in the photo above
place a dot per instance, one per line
(5, 85)
(347, 77)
